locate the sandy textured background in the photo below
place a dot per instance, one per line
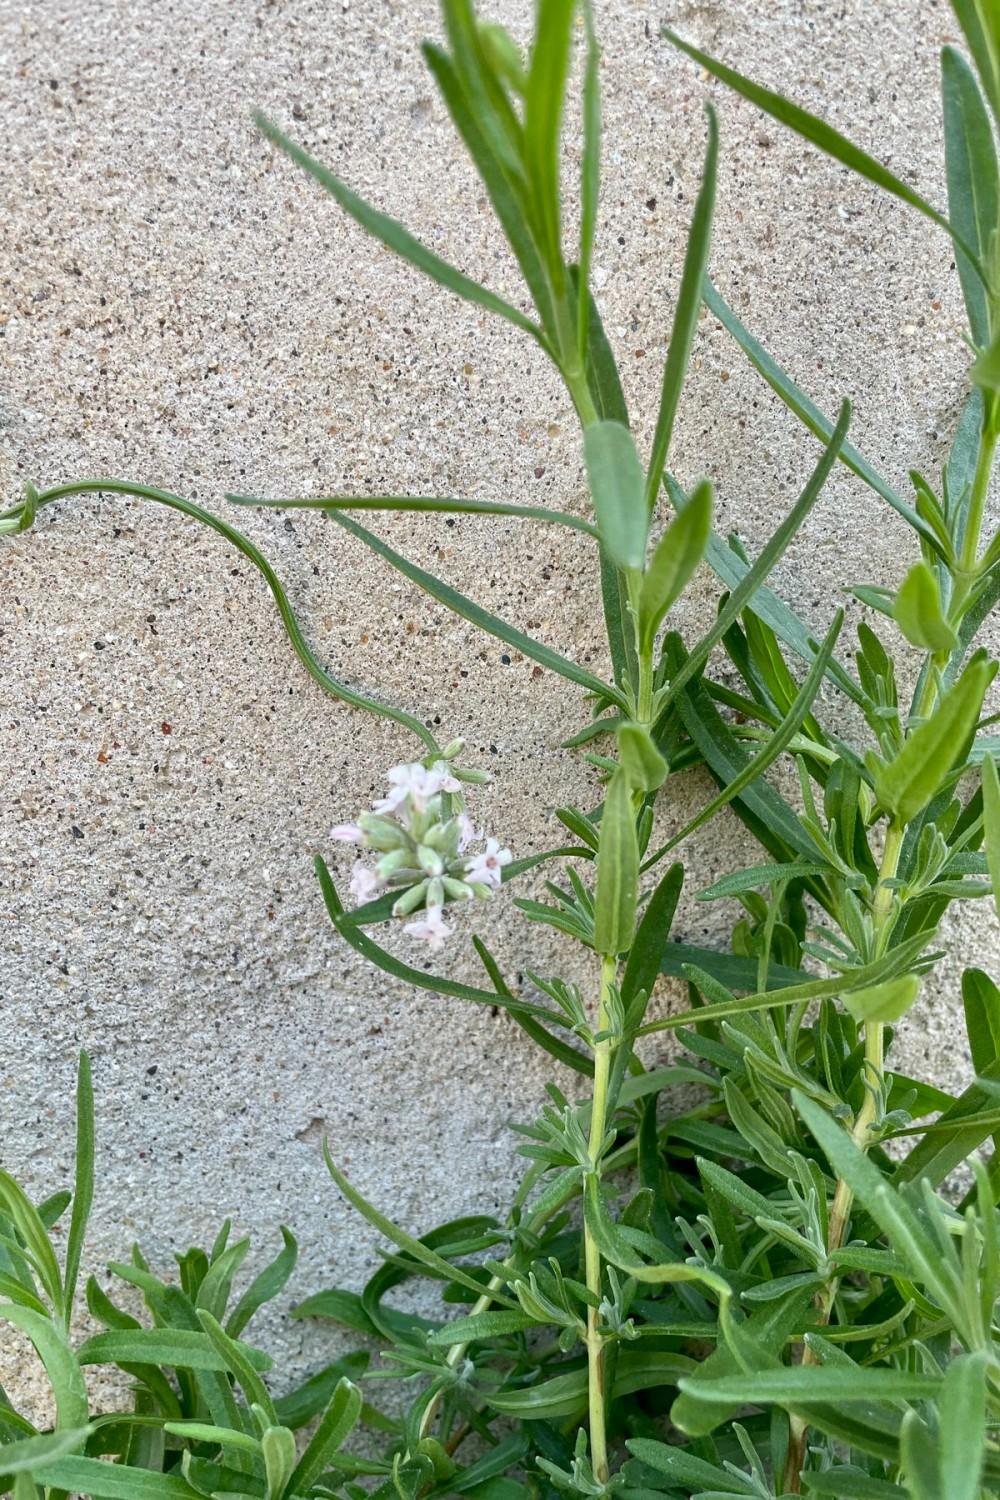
(183, 308)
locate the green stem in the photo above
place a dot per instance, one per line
(967, 569)
(575, 381)
(977, 501)
(874, 1064)
(597, 1395)
(243, 544)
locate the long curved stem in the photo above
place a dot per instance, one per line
(300, 646)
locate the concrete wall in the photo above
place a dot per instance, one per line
(183, 308)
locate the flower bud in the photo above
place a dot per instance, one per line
(429, 860)
(382, 833)
(436, 837)
(477, 778)
(457, 890)
(453, 748)
(394, 863)
(410, 900)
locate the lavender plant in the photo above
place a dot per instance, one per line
(772, 1289)
(188, 1368)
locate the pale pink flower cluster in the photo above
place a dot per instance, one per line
(425, 845)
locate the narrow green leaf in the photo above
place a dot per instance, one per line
(686, 1468)
(907, 1234)
(62, 1366)
(293, 630)
(962, 1424)
(991, 824)
(918, 1455)
(492, 137)
(893, 962)
(981, 1000)
(844, 1482)
(590, 175)
(973, 192)
(83, 1189)
(644, 1369)
(729, 969)
(28, 1454)
(736, 1192)
(436, 983)
(102, 1481)
(278, 1448)
(808, 1384)
(981, 30)
(213, 1293)
(19, 1293)
(605, 387)
(394, 236)
(27, 1221)
(543, 107)
(206, 1432)
(603, 378)
(617, 1249)
(487, 1325)
(773, 821)
(430, 504)
(264, 1287)
(550, 1400)
(807, 412)
(825, 137)
(918, 611)
(238, 1360)
(958, 1132)
(339, 1419)
(464, 607)
(765, 1334)
(884, 1002)
(675, 557)
(644, 766)
(756, 876)
(774, 746)
(502, 1456)
(617, 871)
(616, 487)
(566, 1395)
(440, 1267)
(769, 556)
(341, 1306)
(685, 315)
(906, 785)
(652, 936)
(182, 1348)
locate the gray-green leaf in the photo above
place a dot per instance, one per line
(909, 781)
(675, 557)
(617, 870)
(991, 824)
(616, 485)
(884, 1002)
(642, 763)
(918, 612)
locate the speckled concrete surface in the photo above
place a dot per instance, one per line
(181, 307)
